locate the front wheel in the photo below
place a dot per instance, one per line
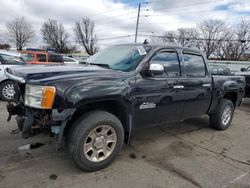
(7, 90)
(95, 140)
(224, 115)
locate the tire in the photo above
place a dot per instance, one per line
(93, 135)
(222, 119)
(8, 90)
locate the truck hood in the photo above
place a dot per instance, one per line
(32, 73)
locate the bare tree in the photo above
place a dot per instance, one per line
(20, 32)
(55, 36)
(84, 33)
(237, 43)
(242, 40)
(223, 49)
(212, 32)
(185, 37)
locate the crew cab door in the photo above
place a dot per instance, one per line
(159, 98)
(197, 85)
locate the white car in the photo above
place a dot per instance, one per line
(70, 60)
(7, 87)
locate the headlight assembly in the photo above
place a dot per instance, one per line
(39, 96)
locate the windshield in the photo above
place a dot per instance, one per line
(123, 58)
(11, 59)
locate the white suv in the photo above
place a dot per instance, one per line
(7, 87)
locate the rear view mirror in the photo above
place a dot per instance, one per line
(156, 69)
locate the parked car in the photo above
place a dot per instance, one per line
(94, 107)
(41, 57)
(69, 60)
(220, 70)
(246, 73)
(7, 86)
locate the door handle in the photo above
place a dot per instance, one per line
(178, 87)
(206, 85)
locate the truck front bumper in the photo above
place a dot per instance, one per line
(31, 121)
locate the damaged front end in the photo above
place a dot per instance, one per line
(34, 112)
(29, 122)
(34, 121)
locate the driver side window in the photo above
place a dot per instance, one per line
(170, 61)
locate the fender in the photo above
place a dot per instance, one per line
(94, 91)
(228, 87)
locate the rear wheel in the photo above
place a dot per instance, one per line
(95, 140)
(7, 90)
(224, 115)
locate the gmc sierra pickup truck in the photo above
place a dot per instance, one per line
(93, 108)
(246, 73)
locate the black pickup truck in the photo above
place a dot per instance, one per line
(246, 73)
(93, 108)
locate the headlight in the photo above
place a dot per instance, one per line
(39, 96)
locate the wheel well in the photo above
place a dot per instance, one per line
(3, 81)
(232, 96)
(114, 107)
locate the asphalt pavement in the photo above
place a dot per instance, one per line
(184, 154)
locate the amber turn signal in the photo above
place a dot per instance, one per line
(48, 96)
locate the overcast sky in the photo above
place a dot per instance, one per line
(115, 18)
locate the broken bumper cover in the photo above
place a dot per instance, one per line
(30, 120)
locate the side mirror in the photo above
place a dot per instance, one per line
(156, 69)
(243, 69)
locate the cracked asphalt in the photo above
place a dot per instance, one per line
(184, 154)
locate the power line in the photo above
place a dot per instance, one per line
(188, 5)
(112, 10)
(124, 14)
(193, 20)
(146, 15)
(175, 12)
(115, 22)
(198, 39)
(104, 17)
(118, 37)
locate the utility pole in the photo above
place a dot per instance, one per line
(137, 22)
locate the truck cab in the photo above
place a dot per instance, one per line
(41, 57)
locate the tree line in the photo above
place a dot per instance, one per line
(21, 33)
(217, 39)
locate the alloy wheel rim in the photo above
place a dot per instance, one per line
(226, 115)
(100, 143)
(8, 91)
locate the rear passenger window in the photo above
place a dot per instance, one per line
(195, 65)
(55, 58)
(41, 57)
(170, 62)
